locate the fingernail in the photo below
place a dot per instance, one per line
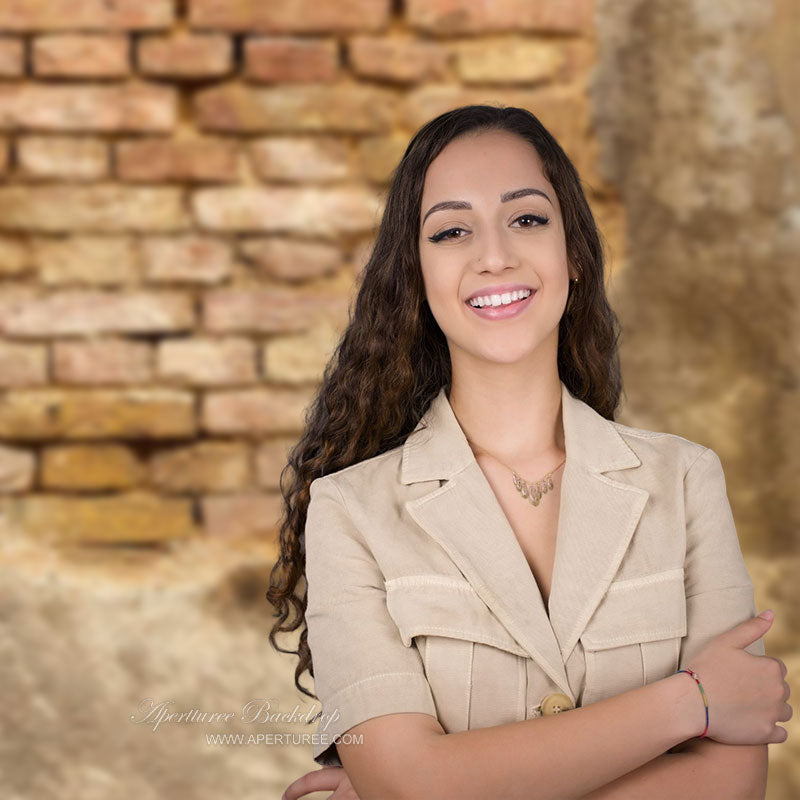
(768, 614)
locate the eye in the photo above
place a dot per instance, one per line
(541, 219)
(437, 237)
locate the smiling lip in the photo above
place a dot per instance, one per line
(503, 312)
(499, 289)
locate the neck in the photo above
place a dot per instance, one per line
(518, 424)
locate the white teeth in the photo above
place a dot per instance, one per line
(499, 299)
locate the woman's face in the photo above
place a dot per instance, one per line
(490, 239)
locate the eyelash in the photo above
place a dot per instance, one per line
(438, 237)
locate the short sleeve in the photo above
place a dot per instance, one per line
(362, 669)
(719, 590)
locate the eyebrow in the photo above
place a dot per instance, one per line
(504, 198)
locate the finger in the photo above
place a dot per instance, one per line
(319, 780)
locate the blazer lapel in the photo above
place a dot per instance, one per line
(597, 518)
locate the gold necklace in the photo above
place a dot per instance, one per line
(530, 491)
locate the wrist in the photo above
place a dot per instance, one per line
(688, 718)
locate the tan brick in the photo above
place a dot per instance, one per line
(177, 160)
(274, 309)
(400, 59)
(289, 260)
(277, 209)
(510, 59)
(188, 259)
(12, 57)
(102, 361)
(186, 55)
(81, 55)
(15, 256)
(466, 16)
(17, 469)
(207, 361)
(22, 364)
(13, 298)
(62, 157)
(35, 15)
(304, 16)
(271, 457)
(5, 156)
(78, 311)
(243, 514)
(300, 358)
(95, 467)
(135, 516)
(31, 414)
(207, 466)
(282, 60)
(329, 109)
(378, 156)
(128, 107)
(95, 260)
(309, 160)
(255, 411)
(98, 208)
(562, 109)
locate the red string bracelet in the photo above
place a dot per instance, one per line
(691, 673)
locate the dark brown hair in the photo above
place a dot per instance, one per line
(392, 358)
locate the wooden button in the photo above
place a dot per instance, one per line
(556, 703)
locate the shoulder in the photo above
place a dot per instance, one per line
(659, 448)
(376, 474)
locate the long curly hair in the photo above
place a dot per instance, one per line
(392, 359)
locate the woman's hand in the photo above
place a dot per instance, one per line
(321, 780)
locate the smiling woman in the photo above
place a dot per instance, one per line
(504, 585)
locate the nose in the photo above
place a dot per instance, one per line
(494, 251)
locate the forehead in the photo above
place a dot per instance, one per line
(488, 163)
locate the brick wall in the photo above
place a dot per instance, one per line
(188, 190)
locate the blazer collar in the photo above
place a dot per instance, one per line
(597, 517)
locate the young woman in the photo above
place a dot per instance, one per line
(484, 547)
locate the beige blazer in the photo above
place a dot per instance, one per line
(421, 599)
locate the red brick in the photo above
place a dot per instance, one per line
(307, 160)
(188, 259)
(405, 60)
(17, 469)
(243, 514)
(35, 15)
(98, 208)
(62, 157)
(255, 411)
(450, 17)
(284, 17)
(329, 109)
(71, 312)
(281, 60)
(289, 260)
(81, 55)
(207, 361)
(331, 212)
(186, 56)
(95, 260)
(22, 364)
(102, 361)
(12, 57)
(272, 456)
(159, 160)
(274, 310)
(128, 107)
(33, 414)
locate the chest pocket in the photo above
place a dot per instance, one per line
(634, 636)
(475, 668)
